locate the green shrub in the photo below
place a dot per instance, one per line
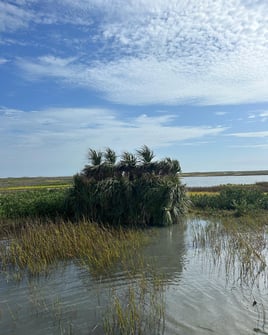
(46, 203)
(134, 191)
(239, 199)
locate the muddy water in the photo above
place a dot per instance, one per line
(205, 292)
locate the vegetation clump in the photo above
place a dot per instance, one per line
(136, 190)
(48, 203)
(238, 199)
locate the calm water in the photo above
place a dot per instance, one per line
(222, 180)
(203, 295)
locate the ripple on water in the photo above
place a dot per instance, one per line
(199, 299)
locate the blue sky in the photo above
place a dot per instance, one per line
(188, 78)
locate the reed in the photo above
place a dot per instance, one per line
(138, 308)
(239, 244)
(38, 246)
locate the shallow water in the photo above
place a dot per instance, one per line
(202, 294)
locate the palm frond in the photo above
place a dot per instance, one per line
(95, 157)
(110, 156)
(145, 155)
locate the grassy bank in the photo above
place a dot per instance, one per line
(240, 199)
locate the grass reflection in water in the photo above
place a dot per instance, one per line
(237, 247)
(237, 243)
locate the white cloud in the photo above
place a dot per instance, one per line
(169, 52)
(220, 113)
(3, 61)
(252, 134)
(251, 146)
(63, 135)
(13, 17)
(264, 116)
(107, 126)
(50, 66)
(20, 14)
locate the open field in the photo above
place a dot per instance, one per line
(34, 183)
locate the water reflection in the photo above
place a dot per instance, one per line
(228, 278)
(167, 251)
(215, 281)
(70, 300)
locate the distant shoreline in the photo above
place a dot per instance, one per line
(67, 180)
(37, 183)
(225, 173)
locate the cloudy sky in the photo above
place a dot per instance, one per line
(189, 78)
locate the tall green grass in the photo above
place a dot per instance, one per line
(137, 309)
(37, 246)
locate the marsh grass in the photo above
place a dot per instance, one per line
(38, 246)
(239, 244)
(138, 308)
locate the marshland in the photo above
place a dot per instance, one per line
(126, 248)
